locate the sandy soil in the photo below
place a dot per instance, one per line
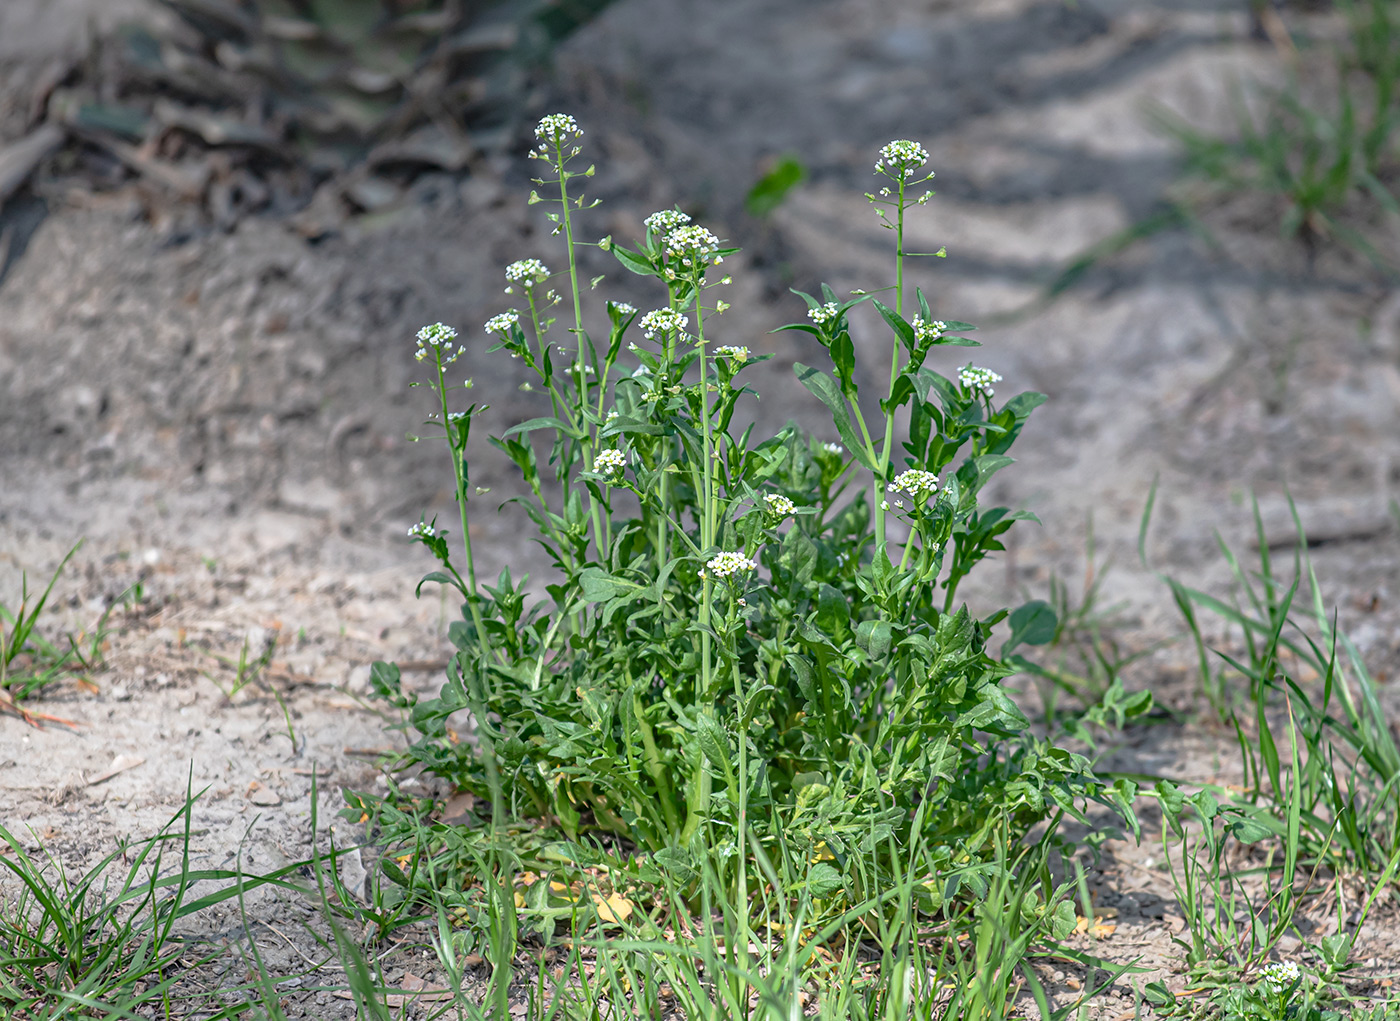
(223, 417)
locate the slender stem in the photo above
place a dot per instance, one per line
(742, 823)
(886, 450)
(698, 808)
(580, 377)
(707, 512)
(554, 396)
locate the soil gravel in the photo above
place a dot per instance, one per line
(224, 418)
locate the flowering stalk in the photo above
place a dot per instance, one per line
(554, 129)
(898, 161)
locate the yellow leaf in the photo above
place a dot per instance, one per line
(614, 908)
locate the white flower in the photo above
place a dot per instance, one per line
(901, 158)
(437, 334)
(527, 271)
(822, 313)
(928, 331)
(663, 320)
(624, 309)
(694, 246)
(833, 448)
(422, 529)
(664, 221)
(1281, 974)
(975, 378)
(610, 462)
(917, 483)
(779, 505)
(739, 354)
(556, 127)
(456, 416)
(501, 324)
(439, 338)
(726, 564)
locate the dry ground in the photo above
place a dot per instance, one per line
(223, 416)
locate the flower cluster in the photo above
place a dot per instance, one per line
(833, 448)
(917, 483)
(440, 337)
(663, 320)
(663, 221)
(624, 309)
(501, 324)
(610, 462)
(778, 505)
(928, 332)
(975, 378)
(422, 530)
(1282, 974)
(739, 354)
(526, 271)
(727, 564)
(556, 128)
(693, 245)
(823, 313)
(901, 158)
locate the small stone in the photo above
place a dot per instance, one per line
(264, 796)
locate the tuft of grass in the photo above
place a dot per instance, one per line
(1348, 775)
(1324, 146)
(30, 661)
(101, 940)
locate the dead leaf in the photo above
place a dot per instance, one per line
(120, 764)
(457, 809)
(18, 159)
(8, 704)
(614, 908)
(415, 988)
(1099, 929)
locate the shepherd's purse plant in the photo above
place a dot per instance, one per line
(747, 641)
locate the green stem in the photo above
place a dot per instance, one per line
(554, 396)
(699, 805)
(742, 800)
(580, 377)
(887, 449)
(654, 766)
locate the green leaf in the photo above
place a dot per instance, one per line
(548, 422)
(772, 188)
(843, 358)
(384, 681)
(798, 557)
(833, 611)
(599, 586)
(823, 880)
(714, 742)
(875, 637)
(902, 329)
(1251, 830)
(1034, 623)
(438, 576)
(678, 863)
(825, 389)
(802, 671)
(638, 264)
(1023, 404)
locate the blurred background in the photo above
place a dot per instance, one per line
(222, 221)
